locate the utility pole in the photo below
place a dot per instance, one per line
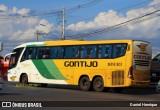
(64, 23)
(39, 33)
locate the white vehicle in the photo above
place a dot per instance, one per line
(1, 81)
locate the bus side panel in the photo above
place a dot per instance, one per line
(115, 72)
(73, 69)
(105, 68)
(42, 71)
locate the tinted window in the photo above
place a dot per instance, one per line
(108, 51)
(81, 51)
(43, 53)
(119, 50)
(57, 52)
(94, 51)
(156, 58)
(76, 51)
(30, 53)
(53, 52)
(105, 51)
(68, 52)
(14, 57)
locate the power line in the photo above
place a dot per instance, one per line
(86, 5)
(25, 16)
(131, 6)
(111, 27)
(53, 13)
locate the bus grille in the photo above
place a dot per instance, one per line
(142, 63)
(118, 77)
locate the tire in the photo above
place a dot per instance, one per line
(98, 84)
(24, 79)
(85, 83)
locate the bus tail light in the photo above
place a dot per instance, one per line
(130, 73)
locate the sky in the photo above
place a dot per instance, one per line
(21, 19)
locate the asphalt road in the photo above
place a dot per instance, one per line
(17, 92)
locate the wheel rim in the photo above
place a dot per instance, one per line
(98, 84)
(24, 79)
(85, 83)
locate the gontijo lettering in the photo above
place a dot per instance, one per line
(80, 64)
(142, 57)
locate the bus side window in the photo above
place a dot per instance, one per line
(46, 53)
(94, 51)
(68, 52)
(115, 51)
(108, 51)
(54, 52)
(43, 53)
(123, 49)
(103, 51)
(29, 53)
(39, 53)
(60, 52)
(34, 53)
(99, 52)
(119, 50)
(89, 51)
(76, 52)
(83, 52)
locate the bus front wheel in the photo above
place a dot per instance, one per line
(24, 79)
(98, 84)
(85, 83)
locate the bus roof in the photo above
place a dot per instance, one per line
(72, 42)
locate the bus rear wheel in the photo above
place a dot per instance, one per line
(98, 84)
(85, 83)
(24, 79)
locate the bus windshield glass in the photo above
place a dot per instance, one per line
(14, 57)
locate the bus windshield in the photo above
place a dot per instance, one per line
(14, 57)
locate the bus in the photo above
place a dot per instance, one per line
(90, 64)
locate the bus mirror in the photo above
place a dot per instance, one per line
(5, 59)
(128, 47)
(7, 56)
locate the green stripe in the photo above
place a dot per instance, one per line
(48, 69)
(42, 69)
(35, 45)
